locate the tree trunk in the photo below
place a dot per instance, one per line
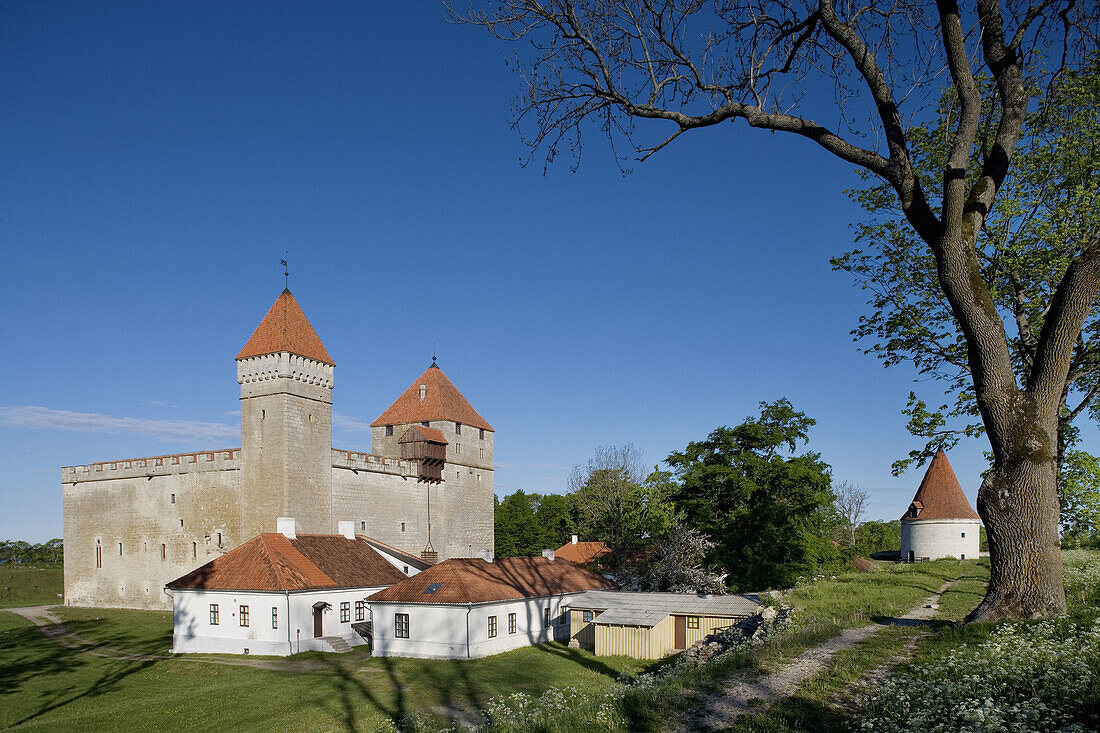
(1018, 501)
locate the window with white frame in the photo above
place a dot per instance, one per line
(244, 615)
(214, 614)
(360, 610)
(274, 617)
(586, 616)
(492, 627)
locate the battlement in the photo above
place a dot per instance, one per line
(284, 365)
(223, 459)
(360, 461)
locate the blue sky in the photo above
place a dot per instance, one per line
(158, 158)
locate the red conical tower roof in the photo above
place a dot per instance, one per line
(940, 496)
(441, 401)
(286, 328)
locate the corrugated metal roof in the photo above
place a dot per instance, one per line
(648, 609)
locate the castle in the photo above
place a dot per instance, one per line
(425, 489)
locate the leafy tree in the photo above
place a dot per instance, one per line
(1047, 207)
(874, 536)
(18, 551)
(762, 509)
(617, 505)
(556, 521)
(516, 531)
(693, 65)
(1081, 500)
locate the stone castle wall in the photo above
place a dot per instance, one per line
(132, 526)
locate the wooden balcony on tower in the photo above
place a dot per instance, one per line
(428, 448)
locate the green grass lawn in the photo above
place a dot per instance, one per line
(44, 686)
(29, 585)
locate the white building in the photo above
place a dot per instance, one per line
(284, 593)
(940, 521)
(469, 608)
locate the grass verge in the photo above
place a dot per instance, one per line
(29, 585)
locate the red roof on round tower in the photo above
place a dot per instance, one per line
(940, 496)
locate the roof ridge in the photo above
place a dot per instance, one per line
(281, 574)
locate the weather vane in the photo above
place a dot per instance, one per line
(286, 269)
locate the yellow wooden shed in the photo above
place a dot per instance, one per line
(651, 625)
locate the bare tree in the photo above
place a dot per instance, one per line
(849, 503)
(691, 64)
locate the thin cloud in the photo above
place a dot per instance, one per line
(32, 416)
(347, 423)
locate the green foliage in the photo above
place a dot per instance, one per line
(874, 536)
(1079, 491)
(17, 551)
(619, 507)
(527, 524)
(1047, 209)
(765, 512)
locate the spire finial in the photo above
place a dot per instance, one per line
(286, 270)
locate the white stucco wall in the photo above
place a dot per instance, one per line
(193, 632)
(936, 538)
(440, 631)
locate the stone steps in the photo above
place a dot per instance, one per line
(337, 644)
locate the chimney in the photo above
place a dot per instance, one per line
(423, 392)
(574, 539)
(485, 555)
(347, 529)
(285, 527)
(548, 554)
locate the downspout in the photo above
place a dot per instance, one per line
(469, 607)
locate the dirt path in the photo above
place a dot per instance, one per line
(53, 628)
(719, 710)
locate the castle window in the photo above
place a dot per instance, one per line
(120, 549)
(194, 550)
(912, 511)
(481, 452)
(458, 449)
(98, 554)
(213, 614)
(389, 430)
(479, 478)
(360, 610)
(481, 433)
(181, 523)
(274, 617)
(458, 428)
(511, 623)
(173, 498)
(406, 569)
(244, 615)
(362, 526)
(426, 424)
(345, 612)
(964, 534)
(401, 625)
(219, 539)
(492, 627)
(402, 526)
(163, 552)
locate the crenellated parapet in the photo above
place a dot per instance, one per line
(360, 461)
(264, 374)
(223, 459)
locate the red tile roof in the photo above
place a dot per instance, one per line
(940, 496)
(477, 581)
(442, 401)
(272, 562)
(286, 328)
(431, 434)
(582, 553)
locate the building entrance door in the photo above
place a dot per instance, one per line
(681, 631)
(912, 556)
(318, 627)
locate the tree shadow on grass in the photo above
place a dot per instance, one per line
(587, 661)
(795, 714)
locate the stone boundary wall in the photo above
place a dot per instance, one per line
(222, 459)
(363, 461)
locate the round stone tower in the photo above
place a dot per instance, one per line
(940, 521)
